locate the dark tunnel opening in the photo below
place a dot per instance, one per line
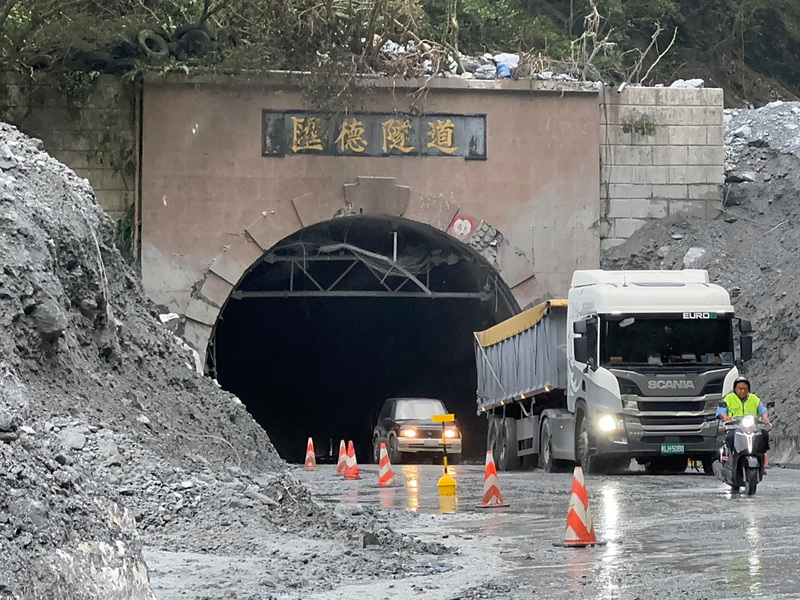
(328, 325)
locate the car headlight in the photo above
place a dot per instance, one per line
(450, 433)
(607, 423)
(410, 433)
(748, 420)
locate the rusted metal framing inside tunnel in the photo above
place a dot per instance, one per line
(393, 279)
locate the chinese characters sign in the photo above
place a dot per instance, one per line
(373, 134)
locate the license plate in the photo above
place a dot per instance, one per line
(672, 449)
(432, 443)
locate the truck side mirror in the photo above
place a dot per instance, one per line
(747, 348)
(579, 327)
(745, 327)
(581, 345)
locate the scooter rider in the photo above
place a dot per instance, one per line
(740, 403)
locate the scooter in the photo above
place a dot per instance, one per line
(745, 465)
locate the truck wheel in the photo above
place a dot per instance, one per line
(491, 435)
(591, 464)
(507, 459)
(550, 464)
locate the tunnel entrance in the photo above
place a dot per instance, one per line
(344, 314)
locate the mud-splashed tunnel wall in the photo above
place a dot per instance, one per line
(322, 365)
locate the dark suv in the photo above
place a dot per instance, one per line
(406, 426)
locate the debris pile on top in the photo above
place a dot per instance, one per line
(503, 65)
(751, 250)
(154, 45)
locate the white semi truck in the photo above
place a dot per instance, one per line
(632, 366)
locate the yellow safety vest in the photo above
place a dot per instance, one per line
(737, 408)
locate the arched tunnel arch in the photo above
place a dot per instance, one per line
(343, 314)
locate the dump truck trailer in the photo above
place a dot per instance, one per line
(631, 366)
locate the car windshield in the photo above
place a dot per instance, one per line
(418, 409)
(649, 340)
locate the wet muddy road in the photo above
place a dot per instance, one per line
(673, 536)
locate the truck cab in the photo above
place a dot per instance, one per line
(651, 354)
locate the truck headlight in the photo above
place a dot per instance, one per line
(409, 433)
(607, 423)
(450, 433)
(610, 423)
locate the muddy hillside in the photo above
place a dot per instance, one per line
(90, 383)
(110, 440)
(751, 249)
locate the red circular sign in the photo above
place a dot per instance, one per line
(462, 227)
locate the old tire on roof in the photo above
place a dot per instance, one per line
(196, 43)
(152, 44)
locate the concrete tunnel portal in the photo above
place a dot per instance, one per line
(341, 315)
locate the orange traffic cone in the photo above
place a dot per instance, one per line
(580, 529)
(351, 466)
(311, 460)
(766, 462)
(491, 492)
(340, 463)
(385, 473)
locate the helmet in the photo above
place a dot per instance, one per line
(741, 379)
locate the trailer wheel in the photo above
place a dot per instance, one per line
(491, 435)
(550, 464)
(507, 459)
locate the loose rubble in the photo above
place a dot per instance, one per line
(751, 250)
(110, 439)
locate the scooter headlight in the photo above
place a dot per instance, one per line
(748, 421)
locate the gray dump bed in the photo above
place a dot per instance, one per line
(522, 355)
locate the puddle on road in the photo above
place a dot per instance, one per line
(665, 533)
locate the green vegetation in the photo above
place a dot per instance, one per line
(643, 125)
(749, 47)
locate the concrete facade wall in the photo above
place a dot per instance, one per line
(570, 170)
(90, 128)
(661, 152)
(205, 183)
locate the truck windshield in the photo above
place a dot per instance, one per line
(653, 340)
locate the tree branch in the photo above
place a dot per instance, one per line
(637, 68)
(9, 6)
(660, 56)
(209, 11)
